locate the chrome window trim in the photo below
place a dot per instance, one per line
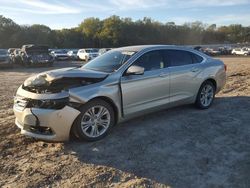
(125, 66)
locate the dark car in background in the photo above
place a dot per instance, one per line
(36, 55)
(4, 58)
(225, 50)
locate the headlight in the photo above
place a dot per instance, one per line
(48, 103)
(38, 80)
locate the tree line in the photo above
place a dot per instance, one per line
(115, 31)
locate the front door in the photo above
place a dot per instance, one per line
(141, 92)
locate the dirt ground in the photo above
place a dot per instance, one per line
(180, 147)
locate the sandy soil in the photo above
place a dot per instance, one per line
(180, 147)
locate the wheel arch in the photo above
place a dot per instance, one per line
(213, 81)
(104, 98)
(112, 104)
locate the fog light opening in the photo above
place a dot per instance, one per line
(38, 129)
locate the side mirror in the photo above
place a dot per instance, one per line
(135, 70)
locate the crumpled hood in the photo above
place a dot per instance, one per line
(65, 76)
(72, 72)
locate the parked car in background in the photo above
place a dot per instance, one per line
(87, 54)
(103, 50)
(240, 51)
(247, 48)
(212, 51)
(36, 55)
(199, 48)
(116, 86)
(4, 58)
(11, 51)
(14, 55)
(225, 50)
(60, 54)
(72, 54)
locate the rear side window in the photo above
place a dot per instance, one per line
(196, 58)
(181, 57)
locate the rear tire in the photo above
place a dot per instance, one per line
(95, 121)
(205, 95)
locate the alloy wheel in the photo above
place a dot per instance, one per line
(95, 121)
(207, 95)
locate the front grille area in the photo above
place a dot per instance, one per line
(38, 130)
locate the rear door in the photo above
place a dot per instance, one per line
(184, 67)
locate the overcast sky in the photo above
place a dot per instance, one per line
(59, 14)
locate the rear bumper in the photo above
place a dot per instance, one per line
(46, 124)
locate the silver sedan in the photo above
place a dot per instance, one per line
(116, 86)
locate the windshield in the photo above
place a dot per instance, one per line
(110, 61)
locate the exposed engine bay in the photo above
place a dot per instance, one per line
(58, 83)
(62, 80)
(62, 84)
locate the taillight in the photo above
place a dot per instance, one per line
(225, 67)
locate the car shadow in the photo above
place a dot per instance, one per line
(181, 147)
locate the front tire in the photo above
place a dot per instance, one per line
(205, 95)
(95, 121)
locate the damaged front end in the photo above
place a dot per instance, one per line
(47, 83)
(43, 106)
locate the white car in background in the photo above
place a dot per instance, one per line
(72, 54)
(87, 54)
(241, 51)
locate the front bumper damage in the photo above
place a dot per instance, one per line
(45, 105)
(45, 124)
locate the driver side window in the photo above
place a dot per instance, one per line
(152, 60)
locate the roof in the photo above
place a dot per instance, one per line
(158, 47)
(141, 47)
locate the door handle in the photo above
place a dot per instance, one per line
(194, 70)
